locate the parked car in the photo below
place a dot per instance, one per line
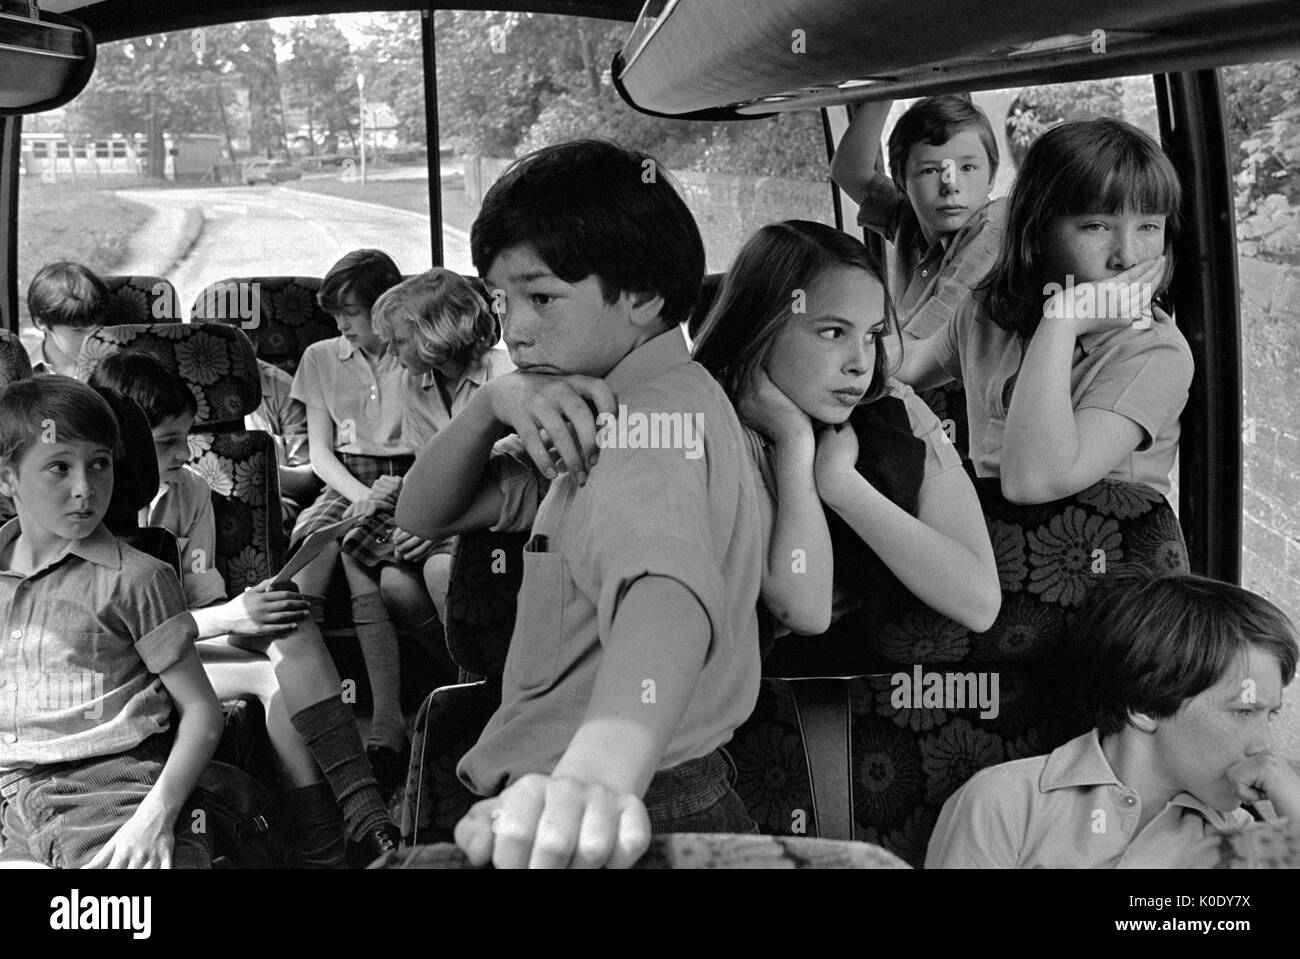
(269, 171)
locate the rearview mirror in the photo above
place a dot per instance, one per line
(45, 58)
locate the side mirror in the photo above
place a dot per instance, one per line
(45, 59)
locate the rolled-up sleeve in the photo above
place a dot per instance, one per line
(882, 208)
(522, 487)
(167, 629)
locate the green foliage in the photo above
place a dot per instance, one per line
(1263, 117)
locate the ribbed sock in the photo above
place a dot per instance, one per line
(379, 647)
(330, 732)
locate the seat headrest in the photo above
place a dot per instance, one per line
(135, 466)
(278, 313)
(215, 361)
(141, 299)
(14, 364)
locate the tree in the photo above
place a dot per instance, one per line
(393, 62)
(319, 79)
(1264, 130)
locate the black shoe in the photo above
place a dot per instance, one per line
(378, 842)
(390, 767)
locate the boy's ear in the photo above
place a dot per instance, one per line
(8, 478)
(647, 308)
(1142, 721)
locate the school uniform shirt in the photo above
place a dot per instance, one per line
(643, 512)
(1067, 810)
(334, 377)
(430, 413)
(1143, 374)
(84, 639)
(41, 364)
(940, 457)
(183, 505)
(929, 281)
(280, 415)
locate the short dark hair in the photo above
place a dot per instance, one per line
(737, 337)
(161, 393)
(594, 208)
(1146, 642)
(1102, 165)
(67, 294)
(935, 121)
(365, 274)
(29, 407)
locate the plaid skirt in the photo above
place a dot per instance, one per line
(370, 542)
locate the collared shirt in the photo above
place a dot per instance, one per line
(940, 457)
(1143, 374)
(280, 415)
(1067, 810)
(367, 406)
(426, 417)
(183, 505)
(41, 363)
(83, 640)
(685, 510)
(930, 281)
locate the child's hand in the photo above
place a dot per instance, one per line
(261, 611)
(143, 842)
(837, 459)
(410, 548)
(382, 497)
(551, 822)
(765, 408)
(1265, 775)
(565, 407)
(1123, 300)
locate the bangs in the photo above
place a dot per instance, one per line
(1120, 180)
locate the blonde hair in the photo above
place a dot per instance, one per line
(449, 315)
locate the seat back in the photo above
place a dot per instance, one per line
(218, 365)
(278, 313)
(874, 732)
(14, 363)
(141, 299)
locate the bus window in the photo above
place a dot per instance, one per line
(1264, 135)
(512, 83)
(145, 172)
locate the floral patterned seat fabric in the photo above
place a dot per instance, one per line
(218, 365)
(14, 364)
(278, 313)
(904, 761)
(141, 299)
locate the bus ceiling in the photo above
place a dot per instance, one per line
(735, 59)
(122, 19)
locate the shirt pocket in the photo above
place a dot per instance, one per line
(535, 648)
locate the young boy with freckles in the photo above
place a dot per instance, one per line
(102, 781)
(635, 651)
(1183, 676)
(934, 206)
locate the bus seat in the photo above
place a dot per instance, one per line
(141, 299)
(486, 571)
(836, 748)
(279, 313)
(14, 363)
(218, 365)
(948, 403)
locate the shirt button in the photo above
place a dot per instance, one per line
(1130, 801)
(11, 738)
(925, 272)
(16, 634)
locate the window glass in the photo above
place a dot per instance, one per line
(1263, 142)
(510, 83)
(151, 155)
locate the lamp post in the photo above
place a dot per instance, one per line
(361, 90)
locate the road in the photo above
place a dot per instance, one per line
(271, 231)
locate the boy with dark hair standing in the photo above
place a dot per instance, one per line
(94, 654)
(635, 651)
(1183, 676)
(934, 207)
(65, 301)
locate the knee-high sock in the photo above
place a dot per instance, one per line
(330, 732)
(379, 647)
(317, 827)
